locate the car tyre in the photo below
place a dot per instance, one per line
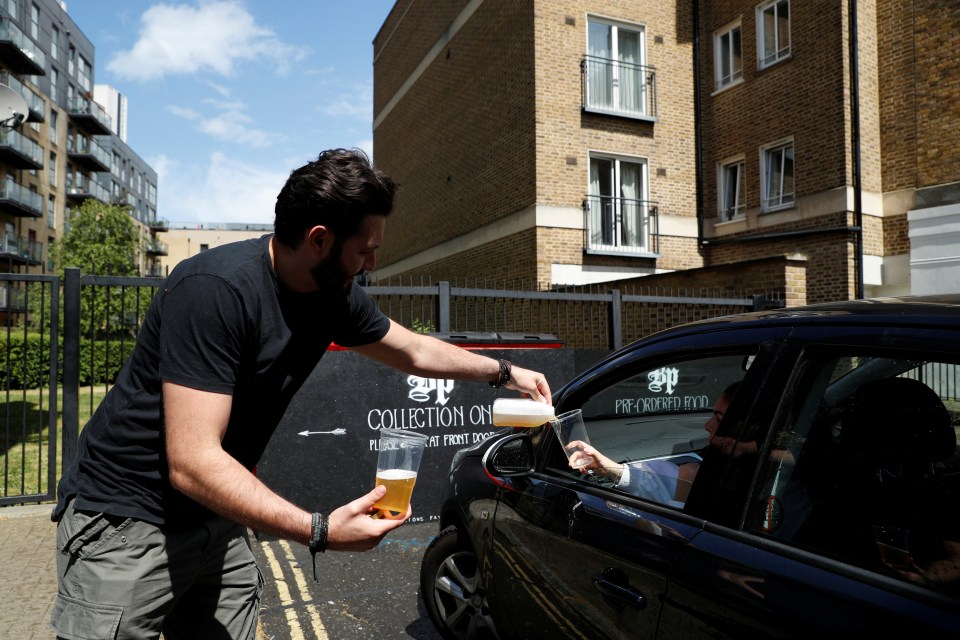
(452, 589)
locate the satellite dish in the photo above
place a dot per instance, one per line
(13, 108)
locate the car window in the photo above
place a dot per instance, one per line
(865, 467)
(649, 427)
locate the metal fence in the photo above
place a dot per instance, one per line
(65, 341)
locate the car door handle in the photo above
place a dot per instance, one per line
(616, 589)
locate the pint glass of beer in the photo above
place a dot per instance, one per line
(397, 465)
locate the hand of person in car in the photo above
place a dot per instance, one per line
(594, 460)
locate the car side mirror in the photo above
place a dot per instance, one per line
(511, 456)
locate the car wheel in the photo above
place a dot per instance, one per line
(452, 589)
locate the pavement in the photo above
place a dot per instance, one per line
(358, 596)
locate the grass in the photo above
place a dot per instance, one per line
(25, 437)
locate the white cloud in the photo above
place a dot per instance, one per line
(227, 191)
(183, 112)
(234, 126)
(230, 125)
(358, 103)
(212, 37)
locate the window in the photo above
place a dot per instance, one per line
(865, 461)
(777, 164)
(71, 60)
(728, 60)
(54, 43)
(52, 211)
(54, 81)
(86, 73)
(53, 126)
(732, 188)
(658, 421)
(618, 213)
(773, 32)
(11, 7)
(615, 78)
(35, 22)
(204, 246)
(52, 169)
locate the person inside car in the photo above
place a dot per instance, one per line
(663, 480)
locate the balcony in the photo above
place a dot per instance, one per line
(19, 201)
(18, 52)
(90, 117)
(19, 250)
(617, 88)
(87, 154)
(38, 109)
(81, 188)
(13, 297)
(19, 151)
(621, 226)
(154, 247)
(159, 224)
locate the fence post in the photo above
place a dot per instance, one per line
(616, 324)
(443, 307)
(71, 364)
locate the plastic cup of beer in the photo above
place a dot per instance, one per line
(397, 466)
(569, 428)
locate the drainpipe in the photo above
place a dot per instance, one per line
(697, 122)
(855, 147)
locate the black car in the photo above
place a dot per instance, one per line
(830, 505)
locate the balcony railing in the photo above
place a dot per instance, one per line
(88, 153)
(155, 247)
(90, 116)
(621, 226)
(19, 150)
(81, 187)
(18, 52)
(18, 200)
(618, 88)
(20, 249)
(159, 224)
(34, 101)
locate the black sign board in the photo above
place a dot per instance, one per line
(324, 452)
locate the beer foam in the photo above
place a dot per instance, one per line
(396, 474)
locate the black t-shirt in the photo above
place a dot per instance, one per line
(220, 323)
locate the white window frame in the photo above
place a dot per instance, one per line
(644, 233)
(724, 56)
(780, 50)
(725, 213)
(618, 69)
(776, 190)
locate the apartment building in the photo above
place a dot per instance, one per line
(67, 152)
(767, 144)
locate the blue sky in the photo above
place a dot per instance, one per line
(226, 97)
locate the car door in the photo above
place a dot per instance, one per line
(576, 555)
(863, 446)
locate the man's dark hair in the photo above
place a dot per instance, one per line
(337, 190)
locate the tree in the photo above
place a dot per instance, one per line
(101, 240)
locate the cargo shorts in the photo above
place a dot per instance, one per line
(121, 578)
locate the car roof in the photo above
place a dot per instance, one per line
(929, 311)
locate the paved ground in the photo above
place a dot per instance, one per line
(358, 596)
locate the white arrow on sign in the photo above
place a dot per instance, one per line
(335, 432)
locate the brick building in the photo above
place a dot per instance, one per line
(572, 142)
(67, 151)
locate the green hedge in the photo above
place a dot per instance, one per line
(25, 362)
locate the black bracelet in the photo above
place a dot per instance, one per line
(504, 376)
(318, 538)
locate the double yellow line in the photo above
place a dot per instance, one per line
(294, 596)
